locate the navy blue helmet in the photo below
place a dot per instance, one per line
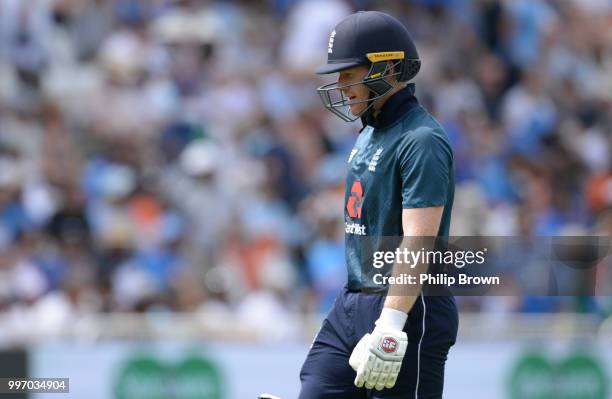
(374, 39)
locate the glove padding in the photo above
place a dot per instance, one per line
(377, 358)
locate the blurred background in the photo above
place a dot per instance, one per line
(171, 187)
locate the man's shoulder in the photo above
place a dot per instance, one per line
(420, 127)
(419, 119)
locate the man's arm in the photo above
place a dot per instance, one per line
(419, 224)
(378, 356)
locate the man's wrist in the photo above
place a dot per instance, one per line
(392, 318)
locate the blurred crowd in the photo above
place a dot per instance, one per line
(174, 154)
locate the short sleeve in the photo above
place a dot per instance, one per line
(425, 159)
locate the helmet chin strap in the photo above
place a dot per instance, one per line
(378, 87)
(369, 111)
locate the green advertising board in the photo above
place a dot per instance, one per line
(148, 377)
(580, 375)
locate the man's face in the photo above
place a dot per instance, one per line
(357, 92)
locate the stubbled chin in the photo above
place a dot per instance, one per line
(357, 111)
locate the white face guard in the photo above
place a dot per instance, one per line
(336, 101)
(375, 80)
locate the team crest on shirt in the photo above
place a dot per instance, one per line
(375, 159)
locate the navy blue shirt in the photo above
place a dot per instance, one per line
(402, 159)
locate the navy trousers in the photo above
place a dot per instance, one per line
(431, 329)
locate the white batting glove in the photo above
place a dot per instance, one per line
(378, 356)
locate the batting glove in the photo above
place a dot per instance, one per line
(378, 356)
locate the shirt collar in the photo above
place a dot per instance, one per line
(393, 109)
